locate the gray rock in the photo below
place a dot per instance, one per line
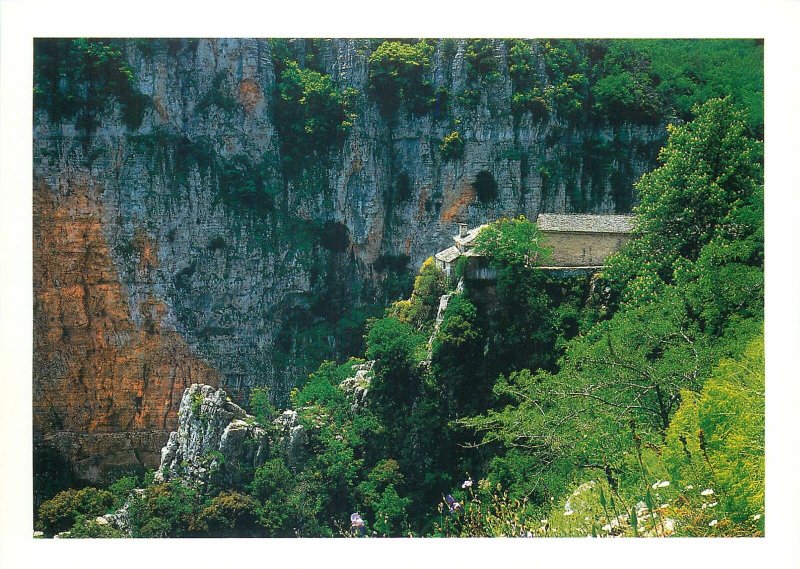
(290, 436)
(357, 387)
(215, 439)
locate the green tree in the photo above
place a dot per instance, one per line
(385, 506)
(481, 61)
(122, 488)
(230, 514)
(311, 114)
(392, 345)
(429, 286)
(62, 511)
(456, 359)
(272, 485)
(91, 528)
(624, 90)
(690, 72)
(717, 438)
(512, 242)
(77, 78)
(397, 74)
(261, 406)
(164, 510)
(709, 168)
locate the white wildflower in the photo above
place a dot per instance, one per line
(467, 483)
(568, 512)
(757, 517)
(660, 484)
(606, 527)
(707, 492)
(712, 523)
(712, 504)
(669, 525)
(689, 487)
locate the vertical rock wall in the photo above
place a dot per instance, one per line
(148, 277)
(105, 389)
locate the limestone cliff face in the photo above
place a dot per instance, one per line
(148, 277)
(105, 388)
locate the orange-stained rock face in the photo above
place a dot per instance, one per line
(105, 391)
(250, 94)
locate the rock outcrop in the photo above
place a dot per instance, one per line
(215, 440)
(289, 435)
(357, 387)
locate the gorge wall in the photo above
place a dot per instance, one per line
(150, 277)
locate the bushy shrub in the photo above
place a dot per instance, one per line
(230, 514)
(91, 528)
(312, 114)
(261, 406)
(122, 488)
(62, 511)
(397, 75)
(78, 76)
(480, 57)
(716, 439)
(452, 146)
(420, 310)
(164, 510)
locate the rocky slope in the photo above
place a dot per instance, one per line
(167, 281)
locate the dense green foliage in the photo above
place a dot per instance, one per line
(312, 114)
(398, 75)
(452, 146)
(70, 507)
(620, 384)
(625, 90)
(420, 309)
(512, 242)
(690, 72)
(481, 61)
(642, 81)
(75, 78)
(705, 196)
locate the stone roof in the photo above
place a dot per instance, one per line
(467, 240)
(448, 255)
(584, 223)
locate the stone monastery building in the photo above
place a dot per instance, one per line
(579, 242)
